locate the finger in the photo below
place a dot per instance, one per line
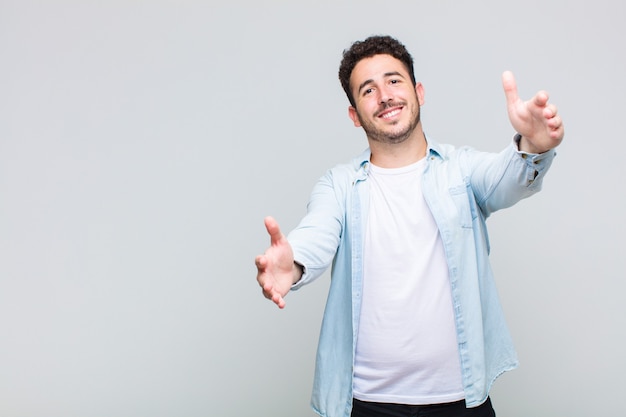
(261, 262)
(278, 300)
(541, 99)
(555, 123)
(274, 231)
(510, 87)
(550, 111)
(266, 294)
(557, 134)
(268, 289)
(274, 296)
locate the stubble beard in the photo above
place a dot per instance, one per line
(391, 136)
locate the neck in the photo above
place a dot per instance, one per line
(396, 155)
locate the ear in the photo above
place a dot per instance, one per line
(419, 90)
(354, 116)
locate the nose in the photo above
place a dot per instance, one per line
(385, 95)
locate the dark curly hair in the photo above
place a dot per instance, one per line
(374, 45)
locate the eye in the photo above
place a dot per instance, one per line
(394, 81)
(367, 91)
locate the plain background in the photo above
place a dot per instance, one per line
(143, 142)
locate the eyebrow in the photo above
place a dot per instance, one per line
(370, 81)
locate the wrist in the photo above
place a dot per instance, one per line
(525, 145)
(298, 271)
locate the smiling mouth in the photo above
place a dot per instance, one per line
(390, 114)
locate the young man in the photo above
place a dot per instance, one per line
(412, 325)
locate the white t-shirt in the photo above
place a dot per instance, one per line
(406, 349)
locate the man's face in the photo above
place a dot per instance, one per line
(387, 106)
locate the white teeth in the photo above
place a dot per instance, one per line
(391, 114)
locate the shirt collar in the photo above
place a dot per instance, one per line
(362, 161)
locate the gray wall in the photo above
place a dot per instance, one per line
(142, 143)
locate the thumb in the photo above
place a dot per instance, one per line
(273, 229)
(510, 88)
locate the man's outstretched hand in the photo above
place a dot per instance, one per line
(536, 119)
(276, 270)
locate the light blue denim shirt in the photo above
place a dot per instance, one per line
(462, 187)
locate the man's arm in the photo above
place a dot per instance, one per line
(536, 120)
(276, 269)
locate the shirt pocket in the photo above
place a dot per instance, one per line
(464, 203)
